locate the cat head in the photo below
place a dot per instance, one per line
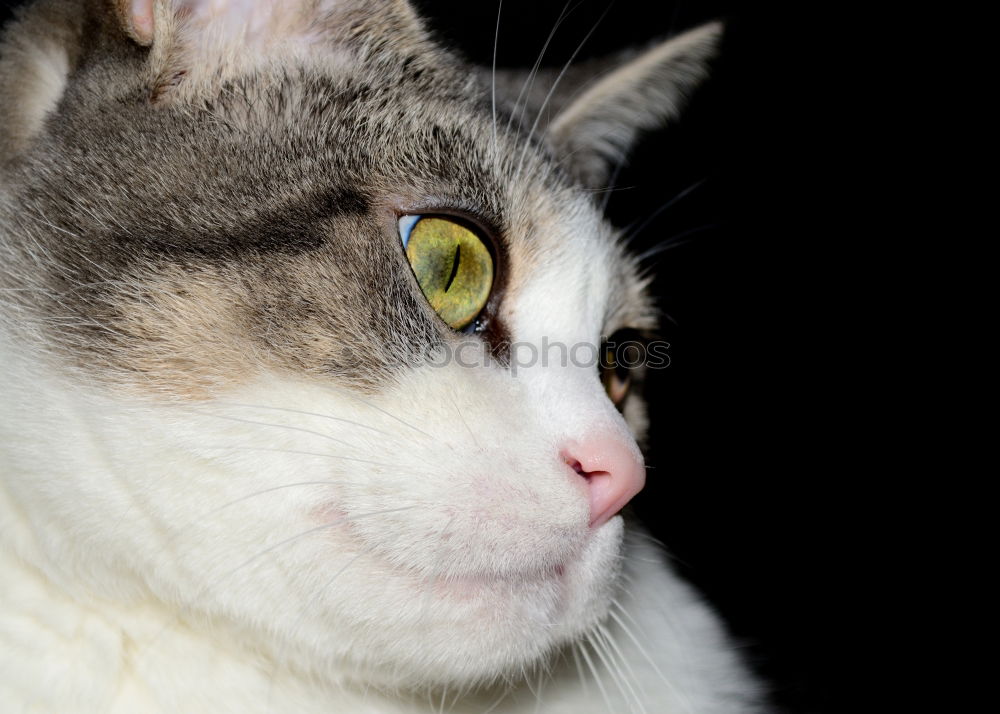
(302, 323)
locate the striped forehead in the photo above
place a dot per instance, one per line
(287, 231)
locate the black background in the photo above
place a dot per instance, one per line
(749, 443)
(747, 451)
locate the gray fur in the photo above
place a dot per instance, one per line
(269, 193)
(171, 226)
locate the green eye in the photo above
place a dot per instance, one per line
(453, 266)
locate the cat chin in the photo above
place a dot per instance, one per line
(478, 630)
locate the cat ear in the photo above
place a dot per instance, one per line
(197, 40)
(223, 23)
(595, 130)
(150, 21)
(135, 18)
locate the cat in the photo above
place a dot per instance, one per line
(272, 439)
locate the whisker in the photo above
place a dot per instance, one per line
(503, 695)
(579, 669)
(555, 84)
(598, 646)
(538, 694)
(464, 422)
(673, 242)
(277, 426)
(593, 670)
(209, 586)
(611, 182)
(642, 650)
(337, 457)
(621, 655)
(496, 42)
(306, 413)
(659, 546)
(518, 110)
(605, 639)
(444, 696)
(652, 217)
(303, 534)
(328, 482)
(608, 189)
(382, 411)
(322, 435)
(527, 682)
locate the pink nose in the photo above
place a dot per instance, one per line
(613, 471)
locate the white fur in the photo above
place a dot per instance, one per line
(290, 546)
(296, 547)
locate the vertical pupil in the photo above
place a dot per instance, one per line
(454, 267)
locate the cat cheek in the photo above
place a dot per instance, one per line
(329, 512)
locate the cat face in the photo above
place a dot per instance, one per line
(235, 393)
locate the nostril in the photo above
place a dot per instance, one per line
(613, 470)
(575, 465)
